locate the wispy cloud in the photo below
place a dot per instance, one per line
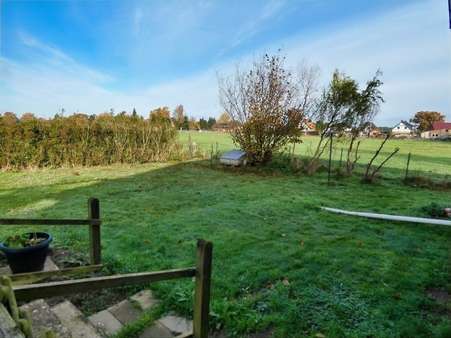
(50, 58)
(412, 45)
(257, 23)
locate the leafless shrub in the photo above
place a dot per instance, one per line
(370, 175)
(267, 105)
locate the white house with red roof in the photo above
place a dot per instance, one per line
(440, 131)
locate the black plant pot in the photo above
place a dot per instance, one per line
(30, 258)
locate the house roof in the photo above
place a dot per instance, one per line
(408, 124)
(441, 125)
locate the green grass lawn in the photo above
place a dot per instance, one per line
(430, 158)
(281, 265)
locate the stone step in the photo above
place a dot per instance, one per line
(66, 321)
(177, 325)
(111, 320)
(144, 299)
(44, 320)
(105, 323)
(157, 330)
(73, 319)
(8, 327)
(125, 311)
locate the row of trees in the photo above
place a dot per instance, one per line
(269, 104)
(183, 122)
(85, 140)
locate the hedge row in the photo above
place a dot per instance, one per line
(82, 140)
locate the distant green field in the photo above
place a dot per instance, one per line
(428, 157)
(281, 264)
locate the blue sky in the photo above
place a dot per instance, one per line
(91, 56)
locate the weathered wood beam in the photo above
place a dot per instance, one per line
(202, 289)
(33, 277)
(62, 288)
(94, 231)
(42, 221)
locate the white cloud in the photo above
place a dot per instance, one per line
(412, 45)
(268, 11)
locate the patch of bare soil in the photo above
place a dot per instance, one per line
(443, 299)
(425, 182)
(90, 302)
(65, 258)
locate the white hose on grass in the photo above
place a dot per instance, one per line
(390, 217)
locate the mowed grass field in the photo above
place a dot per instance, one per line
(429, 158)
(282, 266)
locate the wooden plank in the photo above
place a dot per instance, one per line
(94, 231)
(33, 277)
(62, 288)
(390, 217)
(202, 289)
(44, 221)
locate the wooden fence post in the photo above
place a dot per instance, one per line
(94, 231)
(330, 159)
(202, 289)
(407, 166)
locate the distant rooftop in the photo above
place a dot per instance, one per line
(441, 125)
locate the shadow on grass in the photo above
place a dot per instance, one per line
(445, 161)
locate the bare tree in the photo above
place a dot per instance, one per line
(178, 116)
(267, 105)
(308, 86)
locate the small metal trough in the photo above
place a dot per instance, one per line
(234, 158)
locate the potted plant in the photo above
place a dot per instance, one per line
(26, 252)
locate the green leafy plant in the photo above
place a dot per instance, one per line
(23, 241)
(435, 210)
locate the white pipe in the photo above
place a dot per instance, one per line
(390, 217)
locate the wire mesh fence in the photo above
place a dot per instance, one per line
(428, 159)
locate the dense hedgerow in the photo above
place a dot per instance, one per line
(82, 140)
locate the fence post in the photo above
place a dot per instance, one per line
(202, 289)
(94, 231)
(407, 166)
(330, 159)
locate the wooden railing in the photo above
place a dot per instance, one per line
(93, 221)
(202, 274)
(202, 271)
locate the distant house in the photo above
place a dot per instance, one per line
(403, 128)
(222, 127)
(371, 131)
(308, 127)
(440, 131)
